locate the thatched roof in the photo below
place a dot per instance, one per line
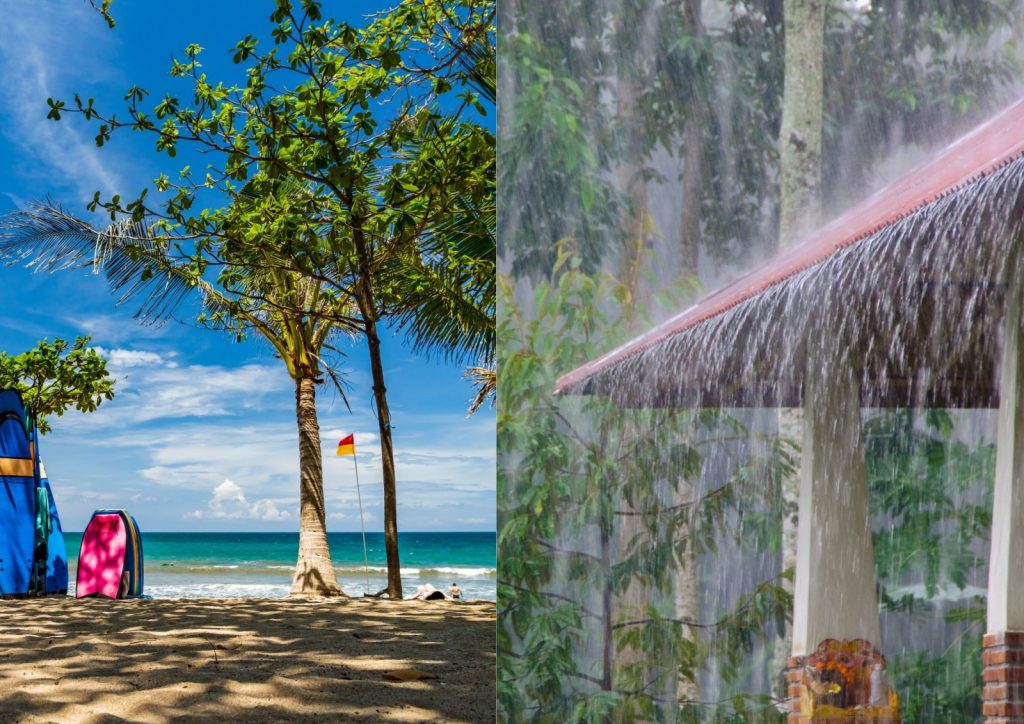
(909, 286)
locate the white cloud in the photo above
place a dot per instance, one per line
(151, 387)
(112, 329)
(118, 359)
(228, 501)
(191, 456)
(368, 516)
(445, 464)
(38, 57)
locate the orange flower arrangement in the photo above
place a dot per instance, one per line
(837, 682)
(847, 665)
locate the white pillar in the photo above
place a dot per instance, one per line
(834, 591)
(1006, 561)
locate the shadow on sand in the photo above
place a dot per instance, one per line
(244, 660)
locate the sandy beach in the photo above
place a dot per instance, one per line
(252, 660)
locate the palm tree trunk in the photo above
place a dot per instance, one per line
(314, 572)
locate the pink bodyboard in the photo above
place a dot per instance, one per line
(101, 559)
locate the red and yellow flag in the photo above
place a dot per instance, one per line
(347, 446)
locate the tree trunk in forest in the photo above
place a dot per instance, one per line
(632, 184)
(607, 620)
(692, 195)
(368, 310)
(686, 602)
(800, 141)
(802, 112)
(314, 572)
(693, 172)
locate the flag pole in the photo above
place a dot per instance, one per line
(366, 558)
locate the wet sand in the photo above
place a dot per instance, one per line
(250, 660)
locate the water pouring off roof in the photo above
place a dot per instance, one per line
(929, 252)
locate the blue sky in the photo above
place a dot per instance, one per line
(201, 435)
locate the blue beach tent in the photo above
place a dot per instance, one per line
(33, 559)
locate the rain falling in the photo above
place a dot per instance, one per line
(747, 474)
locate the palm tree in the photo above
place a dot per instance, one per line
(254, 294)
(449, 289)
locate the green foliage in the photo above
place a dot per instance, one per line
(380, 126)
(896, 74)
(555, 151)
(56, 376)
(103, 8)
(599, 517)
(944, 688)
(900, 73)
(919, 480)
(932, 495)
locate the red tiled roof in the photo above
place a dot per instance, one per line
(975, 154)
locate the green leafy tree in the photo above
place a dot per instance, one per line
(597, 524)
(371, 121)
(56, 376)
(901, 74)
(931, 500)
(448, 291)
(554, 137)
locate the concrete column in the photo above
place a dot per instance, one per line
(1004, 643)
(834, 590)
(1006, 562)
(835, 570)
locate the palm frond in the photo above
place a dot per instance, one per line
(47, 238)
(477, 66)
(449, 291)
(485, 379)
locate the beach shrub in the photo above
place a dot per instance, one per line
(56, 376)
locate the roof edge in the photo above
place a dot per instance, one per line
(1002, 142)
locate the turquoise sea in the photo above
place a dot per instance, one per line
(243, 565)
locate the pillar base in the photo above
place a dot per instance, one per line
(842, 682)
(1002, 659)
(794, 674)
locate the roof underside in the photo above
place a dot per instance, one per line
(908, 288)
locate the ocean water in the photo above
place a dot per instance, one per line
(260, 565)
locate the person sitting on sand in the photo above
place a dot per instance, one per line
(456, 591)
(427, 592)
